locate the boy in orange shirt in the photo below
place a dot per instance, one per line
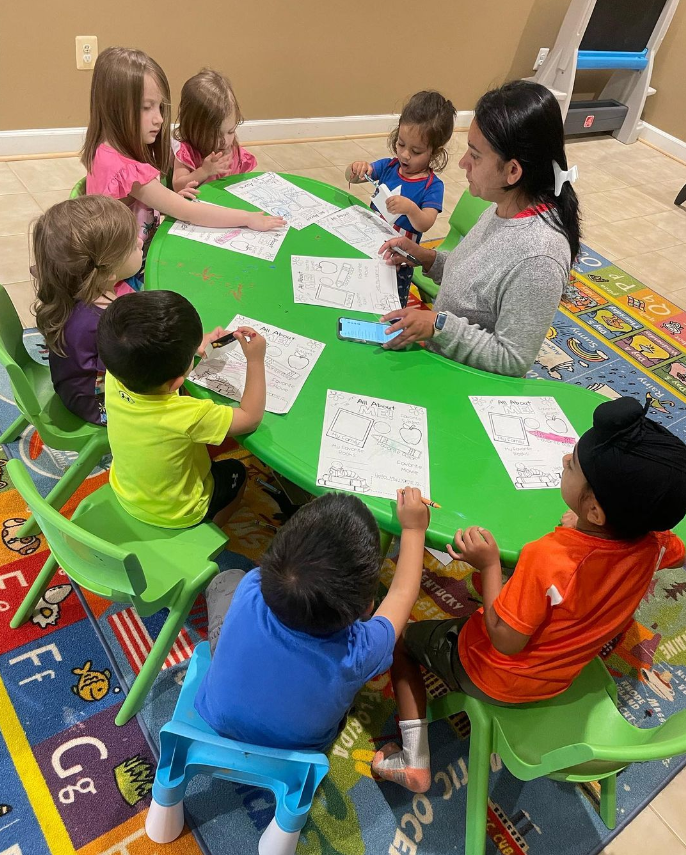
(572, 591)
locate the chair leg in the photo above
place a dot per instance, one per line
(36, 591)
(385, 538)
(276, 841)
(608, 801)
(15, 430)
(477, 790)
(72, 479)
(153, 664)
(681, 197)
(164, 824)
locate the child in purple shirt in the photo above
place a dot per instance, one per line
(83, 248)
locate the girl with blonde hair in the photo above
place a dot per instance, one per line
(205, 144)
(127, 146)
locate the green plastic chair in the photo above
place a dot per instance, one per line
(580, 735)
(79, 189)
(40, 406)
(467, 211)
(105, 550)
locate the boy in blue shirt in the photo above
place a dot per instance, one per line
(295, 647)
(425, 128)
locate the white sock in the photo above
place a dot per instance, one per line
(415, 734)
(415, 747)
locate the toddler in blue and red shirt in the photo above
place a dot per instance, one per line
(425, 127)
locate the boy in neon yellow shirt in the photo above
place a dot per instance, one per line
(161, 469)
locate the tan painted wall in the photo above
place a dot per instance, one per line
(667, 108)
(294, 59)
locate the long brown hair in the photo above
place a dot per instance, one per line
(115, 108)
(78, 245)
(206, 100)
(434, 115)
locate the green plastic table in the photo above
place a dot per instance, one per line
(467, 476)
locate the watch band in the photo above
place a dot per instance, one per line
(439, 323)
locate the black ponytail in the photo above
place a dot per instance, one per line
(522, 121)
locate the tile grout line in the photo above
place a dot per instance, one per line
(17, 176)
(664, 822)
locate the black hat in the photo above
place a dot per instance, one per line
(635, 467)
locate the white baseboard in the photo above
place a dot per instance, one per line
(61, 140)
(664, 141)
(41, 141)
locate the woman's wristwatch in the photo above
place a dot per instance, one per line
(439, 322)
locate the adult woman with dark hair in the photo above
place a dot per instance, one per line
(501, 285)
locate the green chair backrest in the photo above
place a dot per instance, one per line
(467, 211)
(94, 563)
(79, 189)
(580, 731)
(15, 358)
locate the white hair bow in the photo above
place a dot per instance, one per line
(561, 176)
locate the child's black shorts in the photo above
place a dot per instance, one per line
(433, 643)
(229, 477)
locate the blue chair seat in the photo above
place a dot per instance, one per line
(189, 746)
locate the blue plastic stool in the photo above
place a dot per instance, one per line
(189, 746)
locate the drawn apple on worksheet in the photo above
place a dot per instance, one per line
(298, 360)
(410, 434)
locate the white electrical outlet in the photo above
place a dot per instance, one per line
(86, 52)
(540, 59)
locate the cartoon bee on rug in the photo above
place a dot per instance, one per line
(92, 685)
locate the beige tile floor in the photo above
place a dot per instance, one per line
(627, 195)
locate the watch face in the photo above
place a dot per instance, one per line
(439, 323)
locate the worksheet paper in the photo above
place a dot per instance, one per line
(382, 197)
(372, 446)
(288, 362)
(443, 558)
(360, 228)
(531, 435)
(246, 241)
(281, 198)
(360, 284)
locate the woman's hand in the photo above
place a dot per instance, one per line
(394, 258)
(416, 325)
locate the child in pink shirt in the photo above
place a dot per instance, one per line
(205, 144)
(127, 147)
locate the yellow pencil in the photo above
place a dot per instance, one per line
(427, 502)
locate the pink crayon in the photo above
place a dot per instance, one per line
(567, 440)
